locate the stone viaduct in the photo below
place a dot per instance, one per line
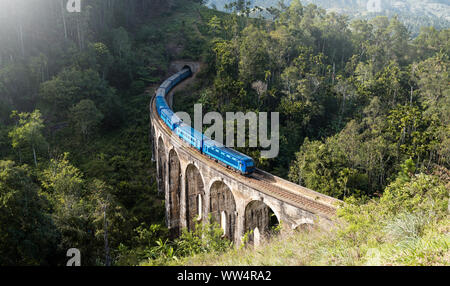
(196, 187)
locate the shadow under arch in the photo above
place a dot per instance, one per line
(153, 143)
(174, 196)
(195, 197)
(162, 161)
(222, 208)
(259, 221)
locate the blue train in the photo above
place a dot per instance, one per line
(214, 150)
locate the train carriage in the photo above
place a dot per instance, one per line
(165, 85)
(160, 92)
(172, 81)
(230, 157)
(190, 135)
(170, 118)
(161, 104)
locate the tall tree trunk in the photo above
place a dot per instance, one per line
(107, 260)
(64, 19)
(79, 33)
(34, 156)
(22, 48)
(411, 96)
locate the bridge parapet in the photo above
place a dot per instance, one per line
(285, 184)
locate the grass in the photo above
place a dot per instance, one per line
(383, 233)
(408, 225)
(321, 247)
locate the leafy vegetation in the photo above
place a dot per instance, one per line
(408, 225)
(356, 99)
(414, 14)
(75, 155)
(364, 111)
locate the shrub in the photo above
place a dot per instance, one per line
(407, 226)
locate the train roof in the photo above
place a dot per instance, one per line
(192, 131)
(208, 141)
(165, 84)
(162, 101)
(185, 70)
(169, 112)
(160, 92)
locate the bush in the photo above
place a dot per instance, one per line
(205, 238)
(407, 226)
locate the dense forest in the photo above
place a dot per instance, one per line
(364, 109)
(414, 14)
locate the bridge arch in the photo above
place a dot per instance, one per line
(162, 162)
(195, 196)
(259, 220)
(174, 196)
(223, 208)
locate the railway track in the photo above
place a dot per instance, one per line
(297, 199)
(258, 180)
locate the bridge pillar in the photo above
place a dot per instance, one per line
(183, 209)
(222, 206)
(196, 197)
(166, 188)
(166, 202)
(240, 221)
(207, 199)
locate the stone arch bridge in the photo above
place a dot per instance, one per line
(196, 187)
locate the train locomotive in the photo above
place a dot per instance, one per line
(206, 146)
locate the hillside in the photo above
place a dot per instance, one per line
(413, 13)
(364, 117)
(394, 230)
(74, 135)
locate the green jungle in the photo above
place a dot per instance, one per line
(364, 117)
